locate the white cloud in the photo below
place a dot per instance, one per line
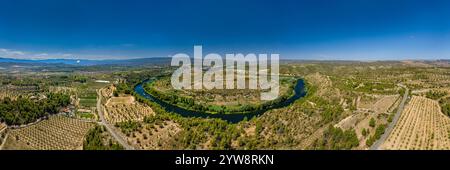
(16, 54)
(7, 53)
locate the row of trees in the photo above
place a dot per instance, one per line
(25, 110)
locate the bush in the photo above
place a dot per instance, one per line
(364, 132)
(372, 122)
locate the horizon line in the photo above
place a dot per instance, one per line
(298, 59)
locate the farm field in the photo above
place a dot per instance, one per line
(422, 126)
(153, 136)
(120, 109)
(56, 133)
(125, 112)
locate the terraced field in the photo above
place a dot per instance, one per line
(421, 126)
(154, 136)
(5, 93)
(124, 112)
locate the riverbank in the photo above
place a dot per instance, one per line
(299, 92)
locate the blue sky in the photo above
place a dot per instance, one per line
(312, 29)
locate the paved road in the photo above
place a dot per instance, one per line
(379, 142)
(108, 126)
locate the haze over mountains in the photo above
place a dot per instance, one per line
(166, 61)
(86, 62)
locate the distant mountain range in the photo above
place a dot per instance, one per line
(85, 62)
(154, 61)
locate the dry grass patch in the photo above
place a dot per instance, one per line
(127, 100)
(379, 103)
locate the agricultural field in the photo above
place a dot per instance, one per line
(124, 112)
(55, 133)
(124, 108)
(422, 126)
(150, 136)
(13, 92)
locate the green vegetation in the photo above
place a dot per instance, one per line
(445, 106)
(331, 112)
(128, 127)
(122, 88)
(364, 132)
(190, 103)
(402, 91)
(196, 130)
(79, 78)
(87, 102)
(372, 122)
(85, 115)
(366, 86)
(446, 109)
(435, 94)
(378, 132)
(25, 110)
(95, 140)
(336, 139)
(391, 117)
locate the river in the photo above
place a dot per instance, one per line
(299, 92)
